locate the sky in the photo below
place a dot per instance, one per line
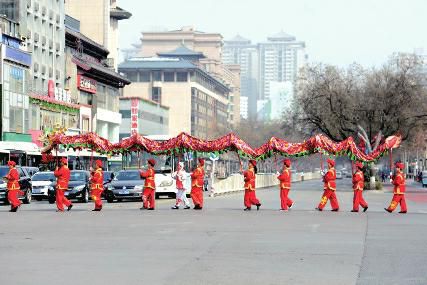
(337, 32)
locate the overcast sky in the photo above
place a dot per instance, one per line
(337, 32)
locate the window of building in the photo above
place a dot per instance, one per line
(181, 77)
(169, 76)
(157, 76)
(144, 76)
(132, 76)
(156, 94)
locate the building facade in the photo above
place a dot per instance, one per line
(42, 24)
(281, 97)
(15, 66)
(244, 107)
(100, 22)
(197, 101)
(208, 44)
(143, 116)
(92, 84)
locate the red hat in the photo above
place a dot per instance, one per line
(287, 162)
(64, 160)
(331, 162)
(253, 162)
(11, 163)
(152, 162)
(359, 165)
(98, 163)
(400, 165)
(201, 161)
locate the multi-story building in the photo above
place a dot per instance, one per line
(281, 96)
(143, 116)
(241, 51)
(92, 85)
(99, 21)
(197, 101)
(244, 107)
(42, 23)
(280, 58)
(208, 44)
(14, 72)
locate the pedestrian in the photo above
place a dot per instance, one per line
(149, 192)
(197, 183)
(329, 188)
(398, 181)
(96, 185)
(181, 196)
(62, 175)
(383, 176)
(13, 188)
(358, 184)
(250, 195)
(285, 186)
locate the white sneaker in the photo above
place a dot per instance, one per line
(282, 210)
(290, 207)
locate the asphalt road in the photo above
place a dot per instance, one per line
(220, 244)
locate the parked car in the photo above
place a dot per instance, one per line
(41, 183)
(78, 187)
(339, 175)
(31, 170)
(24, 183)
(126, 185)
(424, 179)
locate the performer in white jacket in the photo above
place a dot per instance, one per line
(180, 175)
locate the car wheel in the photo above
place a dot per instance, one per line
(110, 200)
(85, 196)
(157, 196)
(51, 199)
(27, 199)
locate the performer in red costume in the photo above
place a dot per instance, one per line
(358, 184)
(13, 188)
(249, 178)
(197, 182)
(399, 190)
(149, 192)
(329, 188)
(285, 186)
(62, 175)
(96, 185)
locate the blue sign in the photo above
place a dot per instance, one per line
(18, 56)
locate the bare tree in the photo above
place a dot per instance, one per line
(359, 102)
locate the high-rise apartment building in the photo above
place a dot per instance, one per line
(241, 51)
(280, 58)
(99, 20)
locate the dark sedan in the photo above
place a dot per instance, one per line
(24, 183)
(78, 187)
(127, 185)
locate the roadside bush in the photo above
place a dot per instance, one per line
(378, 185)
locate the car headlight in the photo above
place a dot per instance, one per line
(3, 185)
(166, 183)
(138, 188)
(79, 188)
(110, 187)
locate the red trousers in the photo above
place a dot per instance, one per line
(12, 196)
(250, 198)
(329, 195)
(96, 197)
(285, 201)
(197, 196)
(61, 200)
(358, 200)
(149, 198)
(398, 198)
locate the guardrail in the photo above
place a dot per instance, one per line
(234, 183)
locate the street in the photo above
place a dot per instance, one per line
(221, 244)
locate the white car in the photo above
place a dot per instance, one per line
(166, 185)
(41, 183)
(339, 175)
